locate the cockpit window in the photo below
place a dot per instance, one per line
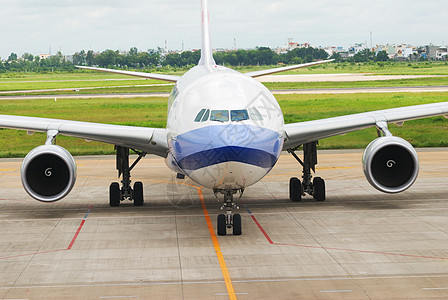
(203, 115)
(199, 115)
(236, 115)
(205, 118)
(219, 115)
(255, 114)
(239, 115)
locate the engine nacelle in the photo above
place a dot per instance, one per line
(390, 164)
(48, 173)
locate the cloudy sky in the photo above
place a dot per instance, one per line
(71, 25)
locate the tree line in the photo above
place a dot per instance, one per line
(135, 59)
(30, 63)
(150, 59)
(365, 55)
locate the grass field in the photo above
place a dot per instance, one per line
(61, 84)
(115, 85)
(431, 81)
(166, 88)
(151, 112)
(388, 68)
(105, 83)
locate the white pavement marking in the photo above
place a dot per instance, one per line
(221, 281)
(398, 89)
(226, 294)
(82, 88)
(425, 89)
(338, 77)
(117, 297)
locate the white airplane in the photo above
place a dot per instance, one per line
(225, 131)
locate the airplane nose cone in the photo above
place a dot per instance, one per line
(237, 155)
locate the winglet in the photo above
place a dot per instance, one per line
(206, 50)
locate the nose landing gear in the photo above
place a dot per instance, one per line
(229, 220)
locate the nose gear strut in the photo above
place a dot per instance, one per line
(229, 220)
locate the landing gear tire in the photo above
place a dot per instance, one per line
(237, 224)
(319, 189)
(222, 228)
(114, 194)
(295, 189)
(138, 193)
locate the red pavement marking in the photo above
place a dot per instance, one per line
(76, 235)
(32, 254)
(266, 235)
(69, 246)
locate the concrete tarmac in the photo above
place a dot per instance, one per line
(358, 244)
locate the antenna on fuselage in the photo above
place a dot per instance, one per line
(206, 50)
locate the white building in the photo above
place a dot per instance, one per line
(442, 53)
(356, 49)
(44, 56)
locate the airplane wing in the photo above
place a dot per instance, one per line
(311, 131)
(170, 78)
(149, 140)
(288, 68)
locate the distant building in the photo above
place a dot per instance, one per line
(409, 52)
(405, 51)
(379, 48)
(356, 49)
(428, 51)
(332, 50)
(291, 45)
(442, 53)
(44, 56)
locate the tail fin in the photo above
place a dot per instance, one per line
(206, 50)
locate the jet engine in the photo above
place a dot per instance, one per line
(48, 173)
(390, 164)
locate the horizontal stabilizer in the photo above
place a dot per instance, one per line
(170, 78)
(288, 68)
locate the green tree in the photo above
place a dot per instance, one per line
(382, 56)
(79, 58)
(12, 57)
(336, 56)
(364, 56)
(90, 59)
(107, 58)
(28, 57)
(265, 56)
(133, 51)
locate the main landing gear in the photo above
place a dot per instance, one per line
(125, 192)
(315, 188)
(229, 220)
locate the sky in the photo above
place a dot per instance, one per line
(72, 25)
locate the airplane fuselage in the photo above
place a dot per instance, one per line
(225, 129)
